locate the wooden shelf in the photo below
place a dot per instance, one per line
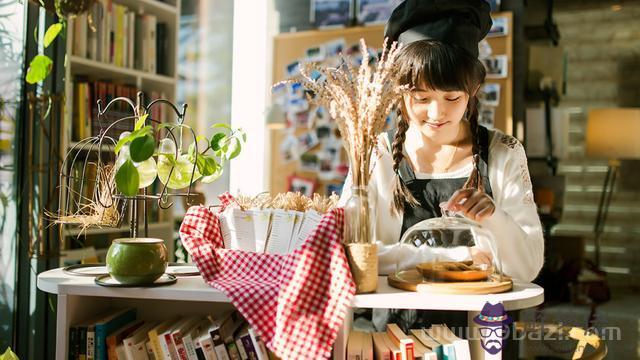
(80, 66)
(161, 9)
(96, 231)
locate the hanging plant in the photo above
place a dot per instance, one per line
(41, 65)
(66, 8)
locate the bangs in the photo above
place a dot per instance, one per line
(432, 65)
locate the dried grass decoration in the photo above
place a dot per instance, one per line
(359, 99)
(99, 211)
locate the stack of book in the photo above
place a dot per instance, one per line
(85, 109)
(117, 334)
(117, 35)
(436, 343)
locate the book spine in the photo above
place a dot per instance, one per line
(167, 347)
(104, 329)
(410, 351)
(189, 347)
(219, 345)
(241, 350)
(178, 343)
(73, 343)
(155, 344)
(232, 350)
(148, 349)
(82, 343)
(200, 353)
(248, 347)
(207, 348)
(261, 351)
(91, 343)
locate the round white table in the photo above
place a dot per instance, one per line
(80, 298)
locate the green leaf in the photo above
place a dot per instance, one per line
(9, 355)
(216, 139)
(128, 179)
(224, 126)
(147, 130)
(191, 153)
(213, 177)
(140, 122)
(244, 137)
(234, 149)
(142, 148)
(39, 68)
(207, 165)
(52, 33)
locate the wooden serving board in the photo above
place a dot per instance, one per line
(412, 280)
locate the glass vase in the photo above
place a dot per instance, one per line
(359, 217)
(358, 237)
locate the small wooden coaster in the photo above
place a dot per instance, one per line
(412, 280)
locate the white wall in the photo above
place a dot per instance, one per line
(253, 33)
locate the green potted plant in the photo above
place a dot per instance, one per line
(97, 188)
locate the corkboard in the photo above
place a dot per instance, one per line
(292, 46)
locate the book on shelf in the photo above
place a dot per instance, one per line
(399, 338)
(206, 346)
(422, 352)
(120, 36)
(359, 346)
(179, 331)
(134, 344)
(154, 337)
(108, 325)
(428, 342)
(261, 350)
(85, 121)
(394, 349)
(380, 347)
(115, 340)
(453, 346)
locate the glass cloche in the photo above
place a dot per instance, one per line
(447, 249)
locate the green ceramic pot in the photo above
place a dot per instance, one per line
(137, 260)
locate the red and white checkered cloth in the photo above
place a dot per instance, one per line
(297, 302)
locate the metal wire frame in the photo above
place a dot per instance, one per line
(81, 151)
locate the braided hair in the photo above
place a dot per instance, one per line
(434, 65)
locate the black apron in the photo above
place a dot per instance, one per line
(430, 193)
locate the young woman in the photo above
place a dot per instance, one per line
(438, 155)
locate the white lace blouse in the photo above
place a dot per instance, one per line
(515, 224)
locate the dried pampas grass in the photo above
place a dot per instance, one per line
(359, 99)
(287, 201)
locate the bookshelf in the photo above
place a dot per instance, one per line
(92, 58)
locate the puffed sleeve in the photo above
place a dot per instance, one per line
(515, 223)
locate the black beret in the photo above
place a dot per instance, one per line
(457, 22)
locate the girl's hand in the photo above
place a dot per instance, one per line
(471, 203)
(480, 257)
